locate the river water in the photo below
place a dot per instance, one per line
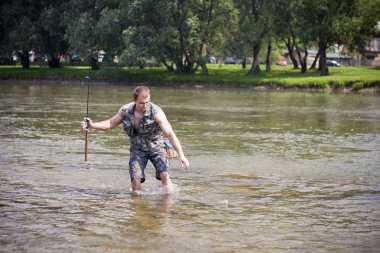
(270, 172)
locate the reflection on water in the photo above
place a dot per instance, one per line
(270, 172)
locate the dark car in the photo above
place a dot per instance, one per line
(333, 63)
(76, 57)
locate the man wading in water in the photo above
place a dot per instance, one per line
(145, 123)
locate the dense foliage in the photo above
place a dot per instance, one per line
(183, 34)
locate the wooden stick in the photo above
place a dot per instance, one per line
(86, 147)
(88, 99)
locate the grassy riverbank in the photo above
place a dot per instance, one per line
(226, 75)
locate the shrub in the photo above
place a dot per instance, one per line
(337, 84)
(357, 86)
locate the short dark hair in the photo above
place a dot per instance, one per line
(138, 90)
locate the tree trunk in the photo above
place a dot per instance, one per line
(255, 68)
(302, 59)
(54, 62)
(188, 64)
(290, 47)
(178, 64)
(94, 63)
(315, 61)
(169, 67)
(24, 57)
(185, 64)
(323, 59)
(304, 62)
(268, 61)
(255, 17)
(244, 63)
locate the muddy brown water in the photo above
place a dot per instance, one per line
(270, 172)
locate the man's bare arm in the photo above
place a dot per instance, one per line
(108, 124)
(168, 131)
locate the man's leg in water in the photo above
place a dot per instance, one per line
(136, 184)
(137, 164)
(166, 181)
(160, 161)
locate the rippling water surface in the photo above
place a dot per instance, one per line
(270, 172)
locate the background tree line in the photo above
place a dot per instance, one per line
(183, 34)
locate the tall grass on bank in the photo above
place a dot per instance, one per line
(219, 74)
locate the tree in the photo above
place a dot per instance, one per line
(32, 25)
(350, 22)
(181, 34)
(51, 31)
(95, 25)
(18, 32)
(216, 19)
(256, 20)
(290, 28)
(176, 32)
(269, 10)
(362, 26)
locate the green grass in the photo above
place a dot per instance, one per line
(227, 75)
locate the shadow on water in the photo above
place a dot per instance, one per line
(270, 172)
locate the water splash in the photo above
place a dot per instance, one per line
(158, 191)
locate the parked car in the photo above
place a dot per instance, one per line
(281, 62)
(333, 63)
(211, 59)
(76, 57)
(40, 58)
(230, 60)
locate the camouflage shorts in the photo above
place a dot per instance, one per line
(139, 160)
